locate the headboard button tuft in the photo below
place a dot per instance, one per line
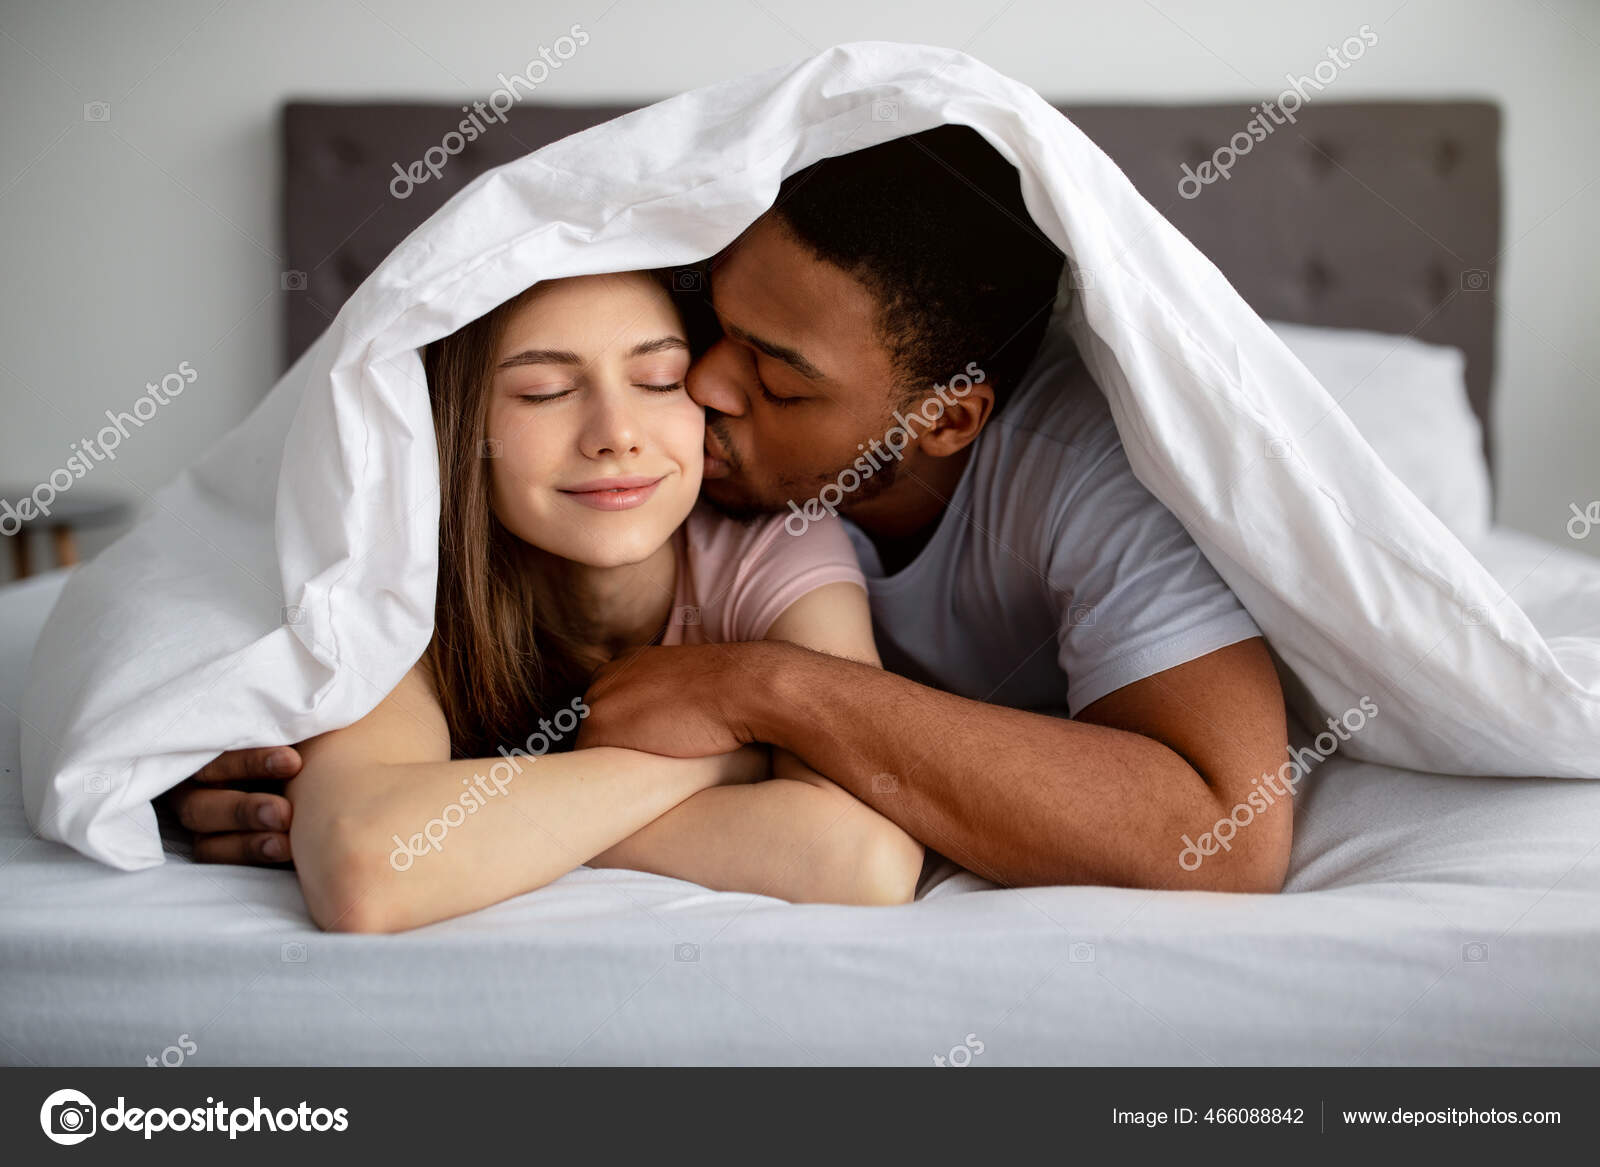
(346, 152)
(1447, 157)
(1440, 283)
(352, 269)
(1318, 278)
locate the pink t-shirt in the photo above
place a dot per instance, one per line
(735, 578)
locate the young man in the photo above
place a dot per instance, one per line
(1075, 693)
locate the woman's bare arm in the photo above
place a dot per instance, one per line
(389, 833)
(798, 836)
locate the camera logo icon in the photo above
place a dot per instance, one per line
(686, 953)
(68, 1117)
(1279, 449)
(687, 279)
(686, 614)
(1476, 952)
(293, 614)
(1081, 953)
(96, 784)
(292, 281)
(886, 111)
(97, 111)
(1082, 278)
(292, 952)
(1475, 615)
(490, 448)
(1081, 615)
(1474, 279)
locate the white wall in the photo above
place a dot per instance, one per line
(137, 243)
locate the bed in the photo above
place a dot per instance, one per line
(1428, 919)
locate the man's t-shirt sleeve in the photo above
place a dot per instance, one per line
(1136, 596)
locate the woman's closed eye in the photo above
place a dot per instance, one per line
(556, 393)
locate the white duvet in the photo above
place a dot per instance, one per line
(285, 582)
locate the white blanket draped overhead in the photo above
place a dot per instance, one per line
(285, 582)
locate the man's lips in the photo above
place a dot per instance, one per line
(716, 466)
(614, 494)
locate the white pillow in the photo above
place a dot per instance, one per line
(1409, 400)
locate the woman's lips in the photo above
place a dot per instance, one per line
(614, 494)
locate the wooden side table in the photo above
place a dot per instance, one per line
(69, 513)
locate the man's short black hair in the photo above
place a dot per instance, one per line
(933, 224)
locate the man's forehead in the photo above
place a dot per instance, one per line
(767, 284)
(753, 272)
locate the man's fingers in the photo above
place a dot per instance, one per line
(256, 850)
(207, 811)
(261, 762)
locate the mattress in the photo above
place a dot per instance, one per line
(1427, 919)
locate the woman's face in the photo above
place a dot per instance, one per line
(596, 450)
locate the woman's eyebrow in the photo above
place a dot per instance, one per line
(658, 345)
(541, 356)
(558, 356)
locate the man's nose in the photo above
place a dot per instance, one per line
(720, 379)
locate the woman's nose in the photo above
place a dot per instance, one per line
(721, 378)
(611, 427)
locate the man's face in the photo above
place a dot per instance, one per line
(799, 381)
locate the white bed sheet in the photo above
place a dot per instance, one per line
(1370, 958)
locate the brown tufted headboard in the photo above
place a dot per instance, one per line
(1381, 215)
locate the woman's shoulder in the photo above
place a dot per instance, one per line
(750, 570)
(745, 541)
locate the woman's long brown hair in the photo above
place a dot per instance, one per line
(500, 659)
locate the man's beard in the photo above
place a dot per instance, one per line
(748, 509)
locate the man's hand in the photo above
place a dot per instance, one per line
(676, 701)
(232, 821)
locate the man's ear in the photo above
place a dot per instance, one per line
(965, 414)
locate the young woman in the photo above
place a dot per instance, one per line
(570, 460)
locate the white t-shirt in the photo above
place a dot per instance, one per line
(1053, 577)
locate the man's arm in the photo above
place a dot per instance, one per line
(1021, 798)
